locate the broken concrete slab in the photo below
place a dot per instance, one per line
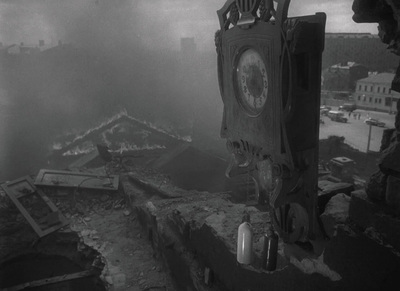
(91, 159)
(336, 212)
(68, 179)
(329, 189)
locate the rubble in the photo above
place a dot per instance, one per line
(329, 189)
(336, 212)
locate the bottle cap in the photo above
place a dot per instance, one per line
(246, 217)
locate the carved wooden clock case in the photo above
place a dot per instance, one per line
(269, 69)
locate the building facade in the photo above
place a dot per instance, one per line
(374, 93)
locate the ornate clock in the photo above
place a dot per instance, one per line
(269, 70)
(251, 81)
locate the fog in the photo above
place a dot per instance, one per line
(106, 56)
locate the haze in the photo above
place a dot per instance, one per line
(120, 54)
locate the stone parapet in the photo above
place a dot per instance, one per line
(365, 214)
(196, 236)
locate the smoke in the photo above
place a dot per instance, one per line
(123, 54)
(110, 23)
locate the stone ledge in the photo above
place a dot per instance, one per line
(365, 213)
(196, 235)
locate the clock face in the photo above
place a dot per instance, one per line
(251, 82)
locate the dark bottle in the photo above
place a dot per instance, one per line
(270, 250)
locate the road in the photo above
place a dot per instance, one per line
(356, 131)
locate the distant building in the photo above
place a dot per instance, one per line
(343, 76)
(374, 93)
(13, 49)
(21, 49)
(362, 48)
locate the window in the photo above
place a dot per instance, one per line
(359, 97)
(380, 101)
(390, 91)
(370, 88)
(370, 99)
(388, 101)
(359, 87)
(379, 89)
(384, 89)
(365, 87)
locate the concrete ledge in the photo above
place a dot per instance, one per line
(366, 213)
(196, 237)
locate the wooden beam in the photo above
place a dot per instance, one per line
(51, 280)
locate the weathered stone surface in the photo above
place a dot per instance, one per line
(389, 228)
(199, 233)
(365, 213)
(396, 82)
(387, 138)
(393, 194)
(390, 160)
(376, 186)
(336, 212)
(329, 189)
(363, 263)
(362, 209)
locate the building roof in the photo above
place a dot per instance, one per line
(350, 35)
(346, 65)
(379, 78)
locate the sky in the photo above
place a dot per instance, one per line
(154, 23)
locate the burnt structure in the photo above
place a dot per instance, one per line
(269, 70)
(384, 185)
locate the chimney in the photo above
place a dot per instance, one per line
(41, 42)
(60, 43)
(21, 44)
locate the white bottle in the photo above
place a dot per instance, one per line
(245, 241)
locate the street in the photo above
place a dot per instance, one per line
(356, 131)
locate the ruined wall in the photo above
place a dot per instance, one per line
(384, 185)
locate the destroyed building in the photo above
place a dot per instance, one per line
(237, 193)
